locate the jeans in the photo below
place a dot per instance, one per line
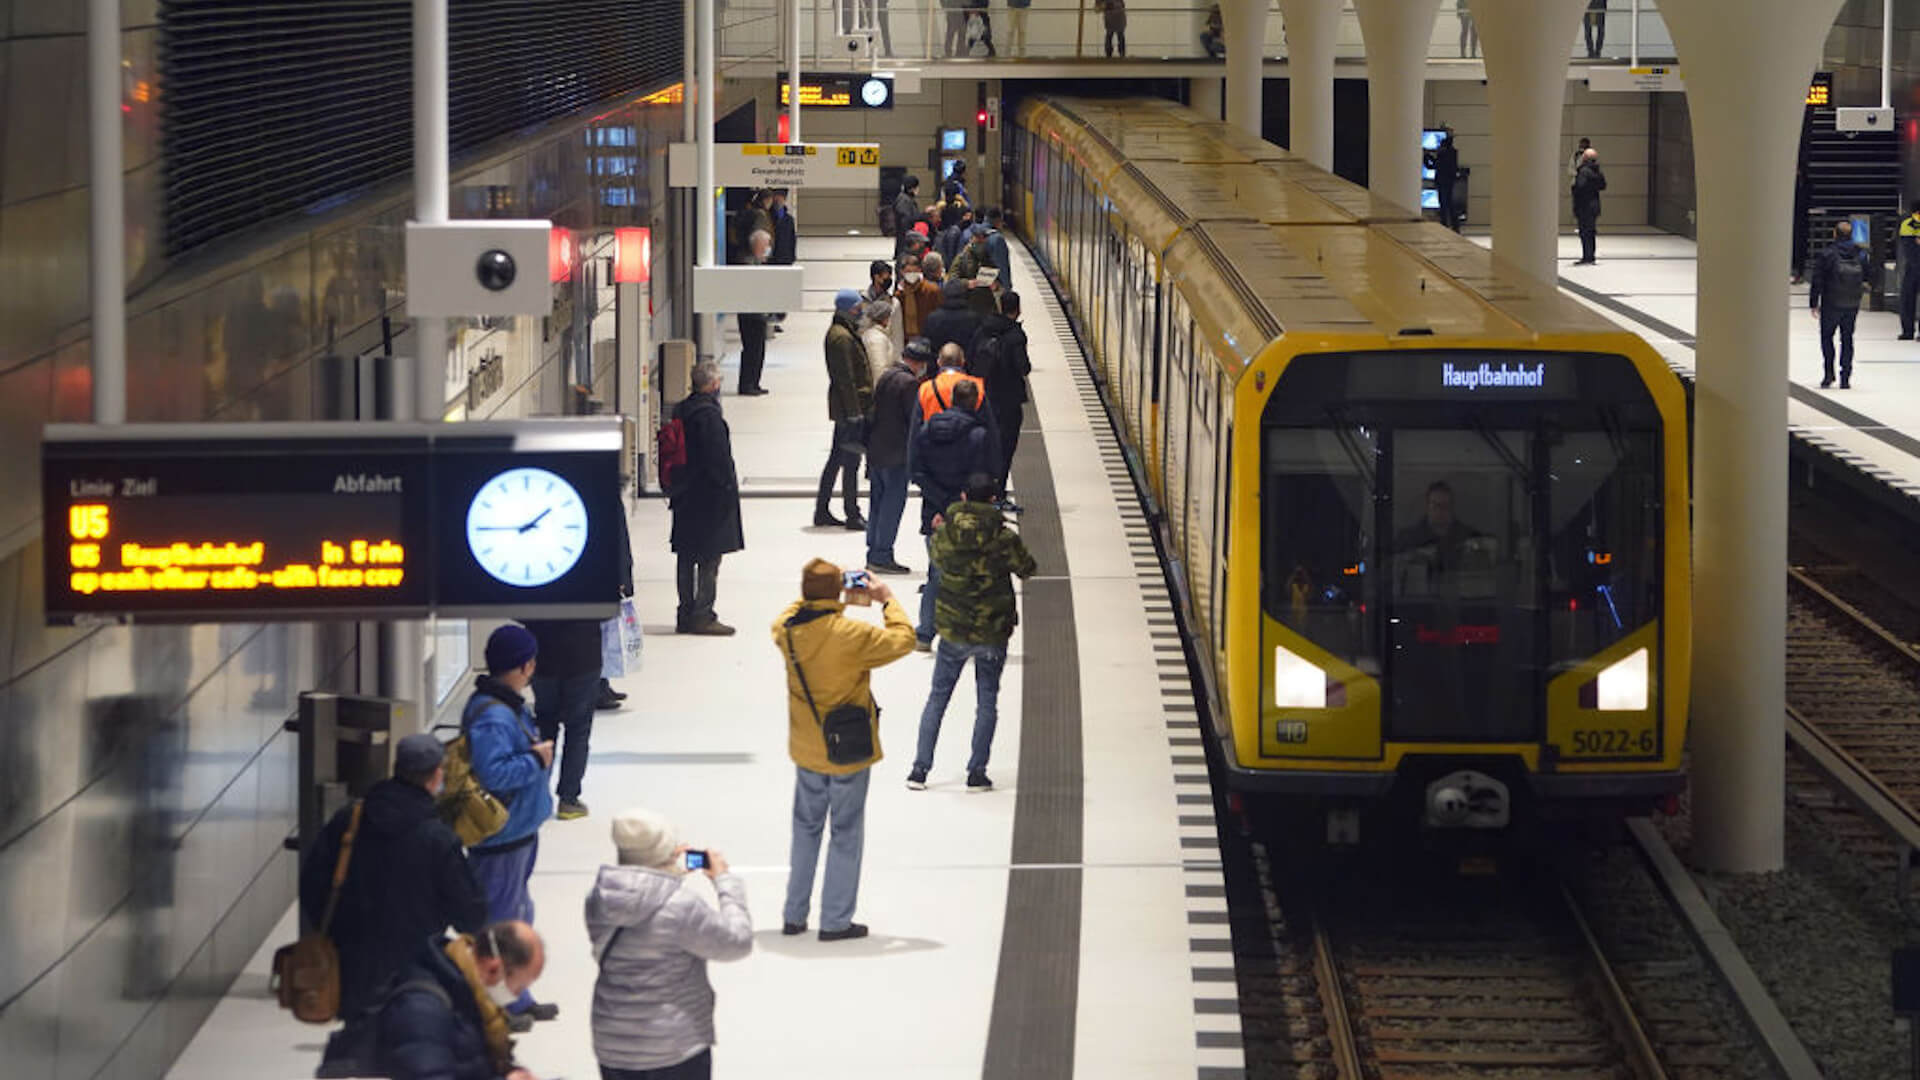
(1841, 319)
(697, 1067)
(925, 632)
(753, 349)
(502, 876)
(698, 578)
(1112, 36)
(1596, 27)
(988, 662)
(1909, 293)
(1009, 422)
(816, 798)
(888, 502)
(568, 703)
(847, 464)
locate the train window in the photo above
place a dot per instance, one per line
(1603, 536)
(1317, 523)
(1462, 592)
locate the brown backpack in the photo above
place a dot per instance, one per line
(306, 974)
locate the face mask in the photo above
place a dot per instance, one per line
(501, 995)
(912, 277)
(885, 284)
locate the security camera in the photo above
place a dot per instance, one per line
(1855, 120)
(856, 45)
(480, 268)
(495, 270)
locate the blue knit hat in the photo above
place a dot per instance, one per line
(846, 300)
(509, 647)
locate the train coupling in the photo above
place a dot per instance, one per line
(1468, 799)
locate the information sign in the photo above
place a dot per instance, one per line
(1650, 80)
(791, 165)
(283, 522)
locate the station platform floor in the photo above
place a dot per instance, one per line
(1072, 922)
(1647, 282)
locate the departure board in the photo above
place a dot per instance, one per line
(259, 522)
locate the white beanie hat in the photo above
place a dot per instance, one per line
(643, 838)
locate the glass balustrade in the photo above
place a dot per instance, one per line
(921, 30)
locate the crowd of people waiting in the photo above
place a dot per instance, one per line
(433, 921)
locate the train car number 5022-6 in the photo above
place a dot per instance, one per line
(1612, 742)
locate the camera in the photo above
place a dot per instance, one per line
(696, 860)
(479, 268)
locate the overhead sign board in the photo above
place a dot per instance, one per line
(841, 91)
(286, 522)
(1650, 80)
(794, 165)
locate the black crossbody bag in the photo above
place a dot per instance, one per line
(847, 729)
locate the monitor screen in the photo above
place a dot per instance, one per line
(1430, 199)
(1862, 231)
(1430, 138)
(953, 140)
(946, 168)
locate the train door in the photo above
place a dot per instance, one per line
(1223, 509)
(1176, 414)
(1117, 277)
(1149, 325)
(1203, 437)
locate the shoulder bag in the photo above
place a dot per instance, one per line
(847, 729)
(306, 974)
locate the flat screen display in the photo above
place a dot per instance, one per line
(953, 140)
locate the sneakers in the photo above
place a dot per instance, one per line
(977, 783)
(571, 810)
(793, 929)
(519, 1023)
(888, 567)
(917, 780)
(852, 932)
(922, 646)
(544, 1010)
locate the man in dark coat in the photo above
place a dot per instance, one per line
(997, 246)
(566, 687)
(433, 1025)
(950, 447)
(849, 399)
(705, 504)
(1445, 163)
(407, 876)
(894, 406)
(786, 236)
(953, 322)
(1839, 279)
(753, 325)
(999, 358)
(1588, 183)
(906, 211)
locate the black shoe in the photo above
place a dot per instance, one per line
(855, 523)
(887, 567)
(1904, 337)
(1846, 383)
(853, 931)
(519, 1023)
(793, 929)
(753, 391)
(978, 783)
(544, 1010)
(609, 701)
(712, 628)
(825, 520)
(917, 780)
(1826, 382)
(607, 690)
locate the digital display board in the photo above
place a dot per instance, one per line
(286, 522)
(843, 91)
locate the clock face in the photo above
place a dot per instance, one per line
(527, 527)
(874, 92)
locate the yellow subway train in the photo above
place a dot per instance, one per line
(1428, 518)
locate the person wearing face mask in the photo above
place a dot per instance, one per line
(880, 287)
(444, 1016)
(918, 297)
(407, 875)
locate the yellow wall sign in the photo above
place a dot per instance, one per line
(857, 155)
(776, 165)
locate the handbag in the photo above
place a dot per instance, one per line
(847, 729)
(631, 639)
(465, 804)
(851, 435)
(613, 656)
(306, 974)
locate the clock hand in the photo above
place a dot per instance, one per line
(536, 520)
(497, 528)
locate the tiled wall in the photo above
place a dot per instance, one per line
(1617, 124)
(141, 864)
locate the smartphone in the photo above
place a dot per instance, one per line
(858, 585)
(696, 860)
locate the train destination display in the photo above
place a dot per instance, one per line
(208, 523)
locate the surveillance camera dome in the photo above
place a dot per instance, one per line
(496, 270)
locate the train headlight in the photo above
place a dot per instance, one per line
(1623, 683)
(1297, 682)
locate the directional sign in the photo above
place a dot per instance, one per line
(280, 522)
(1650, 80)
(793, 165)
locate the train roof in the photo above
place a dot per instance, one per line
(1269, 245)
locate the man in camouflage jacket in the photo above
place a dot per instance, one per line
(977, 556)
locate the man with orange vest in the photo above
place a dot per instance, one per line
(936, 392)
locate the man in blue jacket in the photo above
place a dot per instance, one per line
(441, 1019)
(511, 761)
(946, 450)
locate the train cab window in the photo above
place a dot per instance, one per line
(1462, 592)
(1317, 506)
(1604, 513)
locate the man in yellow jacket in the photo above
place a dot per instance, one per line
(833, 735)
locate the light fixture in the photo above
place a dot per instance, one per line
(1297, 682)
(1623, 684)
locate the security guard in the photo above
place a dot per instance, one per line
(1910, 270)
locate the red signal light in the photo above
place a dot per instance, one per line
(980, 118)
(560, 254)
(632, 256)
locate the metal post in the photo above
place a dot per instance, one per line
(703, 123)
(793, 75)
(106, 179)
(1886, 54)
(1633, 36)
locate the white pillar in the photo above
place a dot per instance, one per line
(1526, 86)
(1398, 34)
(107, 237)
(430, 190)
(793, 71)
(704, 230)
(1747, 65)
(1313, 27)
(1208, 97)
(1245, 23)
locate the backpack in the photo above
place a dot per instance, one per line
(468, 808)
(671, 445)
(1849, 279)
(306, 974)
(354, 1050)
(984, 359)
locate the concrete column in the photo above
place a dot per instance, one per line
(1245, 23)
(1208, 97)
(1313, 27)
(1524, 45)
(1747, 64)
(1398, 34)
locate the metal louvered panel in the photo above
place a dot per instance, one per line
(277, 107)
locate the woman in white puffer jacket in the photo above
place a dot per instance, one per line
(654, 926)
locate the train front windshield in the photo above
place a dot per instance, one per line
(1461, 526)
